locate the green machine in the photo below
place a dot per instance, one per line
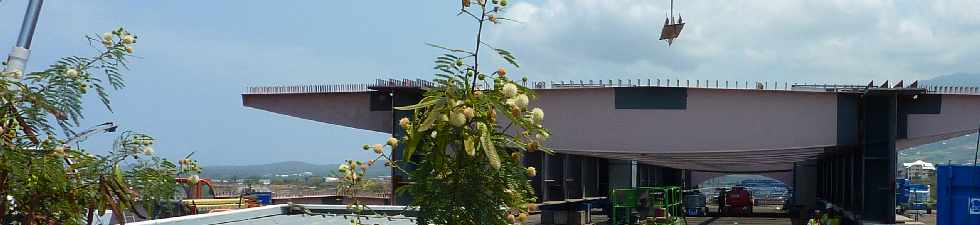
(649, 205)
(623, 203)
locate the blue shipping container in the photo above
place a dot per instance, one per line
(959, 195)
(264, 198)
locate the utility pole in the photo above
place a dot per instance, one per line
(22, 50)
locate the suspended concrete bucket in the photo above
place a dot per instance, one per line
(672, 28)
(670, 32)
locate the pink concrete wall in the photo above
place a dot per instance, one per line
(737, 130)
(349, 109)
(714, 121)
(959, 115)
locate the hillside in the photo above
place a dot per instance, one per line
(957, 150)
(290, 167)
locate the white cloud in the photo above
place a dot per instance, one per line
(829, 41)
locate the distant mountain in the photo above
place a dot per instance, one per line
(956, 79)
(285, 168)
(958, 150)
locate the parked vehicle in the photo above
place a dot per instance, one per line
(911, 196)
(738, 201)
(695, 203)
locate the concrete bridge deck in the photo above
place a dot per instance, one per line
(833, 143)
(714, 127)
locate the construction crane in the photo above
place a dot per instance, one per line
(672, 28)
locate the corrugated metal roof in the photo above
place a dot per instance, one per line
(281, 215)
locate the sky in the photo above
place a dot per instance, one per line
(194, 58)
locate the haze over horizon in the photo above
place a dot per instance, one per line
(196, 57)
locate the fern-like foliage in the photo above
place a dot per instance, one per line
(465, 142)
(44, 179)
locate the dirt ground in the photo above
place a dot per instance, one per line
(928, 219)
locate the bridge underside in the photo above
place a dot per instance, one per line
(835, 147)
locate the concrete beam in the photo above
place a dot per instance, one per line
(349, 109)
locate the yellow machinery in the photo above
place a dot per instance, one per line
(201, 198)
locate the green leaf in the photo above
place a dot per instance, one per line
(447, 49)
(117, 174)
(410, 149)
(489, 149)
(417, 134)
(451, 56)
(468, 145)
(507, 56)
(446, 70)
(430, 118)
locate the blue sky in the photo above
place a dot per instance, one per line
(196, 57)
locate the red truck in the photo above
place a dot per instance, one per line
(738, 201)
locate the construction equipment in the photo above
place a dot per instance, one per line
(672, 29)
(738, 201)
(200, 198)
(667, 205)
(911, 196)
(623, 202)
(203, 189)
(919, 197)
(695, 203)
(652, 205)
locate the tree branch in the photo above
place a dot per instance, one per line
(471, 14)
(476, 53)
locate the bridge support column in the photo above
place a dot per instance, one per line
(879, 131)
(687, 179)
(858, 176)
(622, 174)
(805, 187)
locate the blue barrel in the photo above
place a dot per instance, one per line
(958, 190)
(264, 198)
